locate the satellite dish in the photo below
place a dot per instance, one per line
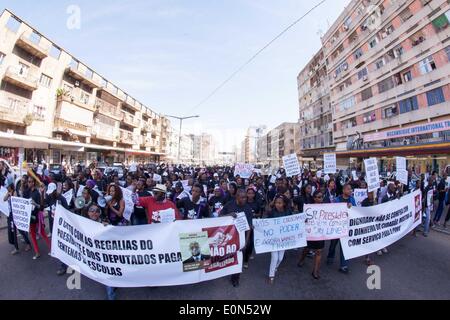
(80, 202)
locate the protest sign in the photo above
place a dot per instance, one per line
(400, 163)
(402, 176)
(326, 221)
(273, 179)
(377, 227)
(21, 211)
(329, 160)
(291, 165)
(319, 174)
(360, 195)
(4, 207)
(68, 196)
(447, 183)
(163, 216)
(430, 200)
(355, 175)
(277, 234)
(241, 222)
(120, 256)
(133, 168)
(195, 251)
(243, 170)
(129, 203)
(372, 173)
(157, 178)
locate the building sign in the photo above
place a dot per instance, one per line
(431, 127)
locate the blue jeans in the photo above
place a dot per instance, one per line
(439, 211)
(111, 293)
(332, 253)
(427, 220)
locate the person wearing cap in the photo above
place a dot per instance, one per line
(178, 192)
(90, 185)
(158, 202)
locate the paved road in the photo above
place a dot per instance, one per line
(415, 268)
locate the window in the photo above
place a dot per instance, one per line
(380, 63)
(84, 97)
(35, 37)
(23, 69)
(347, 23)
(447, 51)
(408, 105)
(435, 96)
(67, 88)
(362, 73)
(366, 94)
(405, 15)
(385, 85)
(55, 52)
(369, 117)
(373, 42)
(358, 53)
(2, 57)
(39, 112)
(13, 24)
(347, 104)
(442, 22)
(407, 76)
(390, 112)
(427, 65)
(45, 81)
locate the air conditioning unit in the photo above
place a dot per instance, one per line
(345, 27)
(365, 78)
(77, 83)
(58, 137)
(345, 67)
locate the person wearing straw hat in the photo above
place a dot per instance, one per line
(157, 203)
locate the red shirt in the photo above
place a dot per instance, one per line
(152, 206)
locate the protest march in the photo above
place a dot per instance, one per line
(181, 225)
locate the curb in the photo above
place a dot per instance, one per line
(444, 231)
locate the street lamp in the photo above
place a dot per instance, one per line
(181, 119)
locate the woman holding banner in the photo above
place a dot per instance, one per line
(281, 204)
(316, 246)
(116, 206)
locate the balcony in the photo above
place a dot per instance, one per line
(13, 110)
(21, 77)
(74, 97)
(29, 46)
(105, 132)
(130, 120)
(108, 109)
(82, 77)
(128, 103)
(62, 125)
(127, 137)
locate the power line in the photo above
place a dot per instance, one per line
(255, 56)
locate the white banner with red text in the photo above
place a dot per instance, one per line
(170, 254)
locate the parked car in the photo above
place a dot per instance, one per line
(13, 175)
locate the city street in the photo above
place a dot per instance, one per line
(415, 268)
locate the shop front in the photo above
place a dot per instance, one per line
(10, 154)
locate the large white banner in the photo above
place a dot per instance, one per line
(375, 228)
(4, 207)
(149, 255)
(291, 165)
(279, 233)
(243, 170)
(21, 211)
(326, 221)
(373, 175)
(329, 163)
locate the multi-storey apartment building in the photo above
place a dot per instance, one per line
(58, 108)
(315, 134)
(277, 143)
(389, 70)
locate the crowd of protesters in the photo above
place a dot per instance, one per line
(206, 193)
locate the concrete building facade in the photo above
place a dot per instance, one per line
(58, 108)
(277, 143)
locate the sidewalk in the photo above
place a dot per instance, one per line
(441, 229)
(3, 221)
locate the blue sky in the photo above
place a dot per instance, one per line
(171, 54)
